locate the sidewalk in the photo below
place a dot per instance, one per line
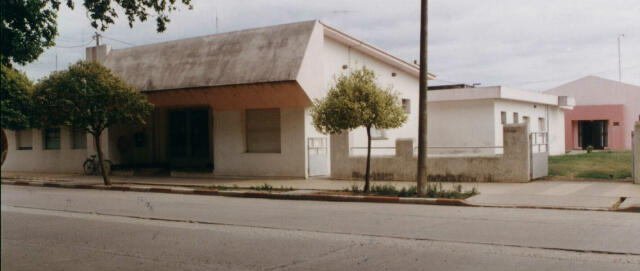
(537, 194)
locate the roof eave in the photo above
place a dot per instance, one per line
(373, 51)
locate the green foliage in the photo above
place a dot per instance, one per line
(433, 190)
(16, 102)
(265, 186)
(589, 149)
(596, 165)
(88, 96)
(356, 100)
(29, 26)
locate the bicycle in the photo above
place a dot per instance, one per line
(92, 166)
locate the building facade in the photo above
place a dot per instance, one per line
(238, 104)
(604, 114)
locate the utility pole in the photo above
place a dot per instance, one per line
(421, 177)
(619, 59)
(216, 21)
(97, 38)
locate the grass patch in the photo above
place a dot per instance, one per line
(595, 165)
(434, 190)
(263, 187)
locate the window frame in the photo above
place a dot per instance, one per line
(248, 130)
(18, 135)
(406, 107)
(381, 136)
(45, 139)
(74, 133)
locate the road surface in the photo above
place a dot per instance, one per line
(65, 229)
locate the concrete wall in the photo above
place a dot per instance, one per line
(512, 166)
(63, 160)
(636, 153)
(231, 158)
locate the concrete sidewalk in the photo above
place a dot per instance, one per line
(546, 194)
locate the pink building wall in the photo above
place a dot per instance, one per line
(611, 113)
(597, 91)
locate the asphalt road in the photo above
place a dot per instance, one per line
(63, 229)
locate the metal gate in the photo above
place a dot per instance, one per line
(318, 156)
(539, 146)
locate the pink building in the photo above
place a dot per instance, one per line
(604, 114)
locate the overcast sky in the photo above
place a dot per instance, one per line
(532, 45)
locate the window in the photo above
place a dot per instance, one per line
(541, 125)
(24, 139)
(78, 139)
(263, 130)
(515, 117)
(525, 119)
(503, 117)
(406, 105)
(378, 134)
(51, 138)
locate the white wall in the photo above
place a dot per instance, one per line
(406, 85)
(553, 116)
(231, 158)
(38, 159)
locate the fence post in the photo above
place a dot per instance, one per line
(635, 146)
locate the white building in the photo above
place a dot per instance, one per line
(237, 104)
(468, 120)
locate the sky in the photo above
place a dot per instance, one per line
(532, 45)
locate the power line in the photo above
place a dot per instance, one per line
(74, 46)
(124, 42)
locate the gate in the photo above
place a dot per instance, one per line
(318, 156)
(539, 146)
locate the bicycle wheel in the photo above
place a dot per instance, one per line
(89, 167)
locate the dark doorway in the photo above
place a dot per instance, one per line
(593, 133)
(189, 139)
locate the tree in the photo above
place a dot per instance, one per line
(16, 100)
(29, 26)
(16, 104)
(357, 100)
(88, 96)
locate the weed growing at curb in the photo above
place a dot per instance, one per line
(264, 187)
(434, 190)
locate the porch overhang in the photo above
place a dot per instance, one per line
(283, 94)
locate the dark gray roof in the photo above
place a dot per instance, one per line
(268, 54)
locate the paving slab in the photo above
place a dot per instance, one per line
(565, 194)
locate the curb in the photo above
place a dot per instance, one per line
(283, 196)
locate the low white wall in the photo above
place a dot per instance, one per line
(512, 166)
(231, 158)
(63, 160)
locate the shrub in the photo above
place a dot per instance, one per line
(434, 190)
(589, 149)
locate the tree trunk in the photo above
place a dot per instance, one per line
(422, 175)
(366, 175)
(105, 174)
(5, 147)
